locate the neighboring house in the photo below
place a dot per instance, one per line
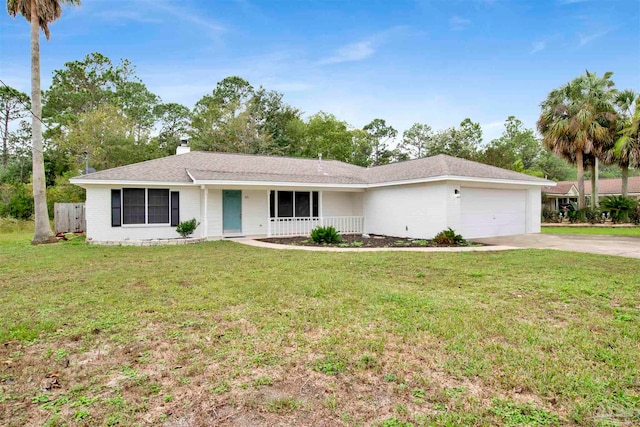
(235, 194)
(565, 192)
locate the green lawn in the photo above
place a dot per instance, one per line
(633, 232)
(223, 334)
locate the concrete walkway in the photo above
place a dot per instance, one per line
(259, 244)
(594, 244)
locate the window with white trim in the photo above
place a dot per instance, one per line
(131, 206)
(293, 204)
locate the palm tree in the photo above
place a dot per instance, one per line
(626, 151)
(575, 124)
(39, 13)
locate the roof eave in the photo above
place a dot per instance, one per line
(88, 182)
(278, 184)
(463, 179)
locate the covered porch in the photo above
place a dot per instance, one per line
(230, 211)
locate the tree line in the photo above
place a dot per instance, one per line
(588, 122)
(101, 112)
(104, 109)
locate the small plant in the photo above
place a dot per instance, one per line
(81, 414)
(220, 388)
(418, 393)
(367, 361)
(41, 398)
(329, 366)
(61, 355)
(589, 215)
(439, 406)
(83, 401)
(394, 422)
(448, 237)
(186, 228)
(619, 207)
(514, 414)
(282, 405)
(390, 378)
(262, 381)
(117, 401)
(325, 235)
(332, 403)
(357, 244)
(549, 215)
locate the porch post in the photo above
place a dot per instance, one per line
(268, 213)
(205, 222)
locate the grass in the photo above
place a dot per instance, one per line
(223, 334)
(632, 232)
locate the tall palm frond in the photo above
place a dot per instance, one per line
(576, 121)
(47, 11)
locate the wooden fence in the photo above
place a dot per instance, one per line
(69, 217)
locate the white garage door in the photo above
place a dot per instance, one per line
(487, 212)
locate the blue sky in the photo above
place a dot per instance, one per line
(433, 62)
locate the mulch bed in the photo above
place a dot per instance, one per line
(359, 241)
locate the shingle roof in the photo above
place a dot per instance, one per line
(605, 186)
(441, 165)
(562, 187)
(208, 166)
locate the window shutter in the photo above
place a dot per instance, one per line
(175, 208)
(315, 204)
(116, 208)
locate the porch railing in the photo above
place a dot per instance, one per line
(279, 227)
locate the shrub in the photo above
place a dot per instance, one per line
(549, 215)
(325, 235)
(448, 237)
(21, 204)
(64, 192)
(589, 215)
(186, 228)
(619, 207)
(585, 215)
(634, 217)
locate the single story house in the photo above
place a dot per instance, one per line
(565, 192)
(250, 195)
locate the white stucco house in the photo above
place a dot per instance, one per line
(247, 195)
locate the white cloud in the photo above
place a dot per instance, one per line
(537, 47)
(458, 23)
(191, 16)
(588, 38)
(351, 52)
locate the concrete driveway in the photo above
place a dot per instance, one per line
(594, 244)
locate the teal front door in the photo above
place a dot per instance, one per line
(231, 211)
